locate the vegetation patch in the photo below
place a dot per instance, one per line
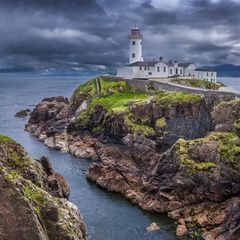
(228, 145)
(161, 122)
(4, 139)
(193, 166)
(139, 129)
(197, 83)
(169, 98)
(105, 87)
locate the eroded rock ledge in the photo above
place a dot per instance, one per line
(172, 153)
(33, 198)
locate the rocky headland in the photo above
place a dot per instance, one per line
(167, 152)
(34, 198)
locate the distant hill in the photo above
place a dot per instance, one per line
(16, 70)
(226, 70)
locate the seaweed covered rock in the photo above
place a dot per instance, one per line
(34, 207)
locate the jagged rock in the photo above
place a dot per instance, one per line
(31, 207)
(202, 221)
(23, 113)
(225, 115)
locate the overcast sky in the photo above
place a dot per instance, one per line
(93, 34)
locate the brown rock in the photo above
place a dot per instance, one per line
(218, 219)
(181, 231)
(202, 221)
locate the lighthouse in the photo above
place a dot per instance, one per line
(135, 53)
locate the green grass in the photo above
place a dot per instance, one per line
(168, 98)
(106, 87)
(4, 139)
(119, 101)
(197, 83)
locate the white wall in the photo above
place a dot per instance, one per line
(135, 49)
(189, 71)
(160, 70)
(206, 75)
(124, 72)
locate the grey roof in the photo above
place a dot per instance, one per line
(205, 70)
(185, 65)
(143, 64)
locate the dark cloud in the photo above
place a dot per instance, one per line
(93, 34)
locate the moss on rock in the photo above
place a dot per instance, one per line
(4, 139)
(36, 204)
(168, 98)
(161, 122)
(228, 148)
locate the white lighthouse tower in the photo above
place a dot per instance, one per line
(135, 54)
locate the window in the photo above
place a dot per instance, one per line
(150, 73)
(181, 71)
(158, 69)
(170, 71)
(176, 71)
(148, 68)
(133, 43)
(164, 69)
(145, 68)
(140, 68)
(211, 74)
(207, 74)
(133, 55)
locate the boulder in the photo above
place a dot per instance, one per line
(23, 113)
(181, 231)
(153, 227)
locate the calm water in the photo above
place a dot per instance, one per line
(233, 83)
(108, 216)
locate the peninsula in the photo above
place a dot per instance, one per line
(168, 152)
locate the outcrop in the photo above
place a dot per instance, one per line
(173, 153)
(23, 113)
(33, 198)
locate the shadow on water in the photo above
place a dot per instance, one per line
(108, 216)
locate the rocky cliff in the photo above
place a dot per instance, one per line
(33, 198)
(172, 153)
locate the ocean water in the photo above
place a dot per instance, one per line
(108, 216)
(231, 83)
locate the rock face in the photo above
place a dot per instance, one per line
(33, 198)
(158, 150)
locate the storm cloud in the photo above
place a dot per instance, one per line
(78, 35)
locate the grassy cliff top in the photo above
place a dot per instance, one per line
(197, 83)
(105, 87)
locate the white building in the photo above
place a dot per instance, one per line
(138, 68)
